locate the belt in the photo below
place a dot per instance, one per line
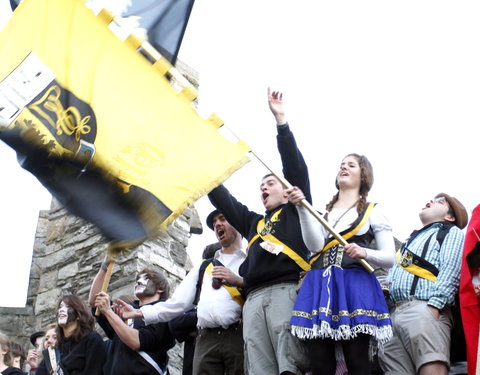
(220, 330)
(406, 300)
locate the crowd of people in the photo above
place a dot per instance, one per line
(297, 300)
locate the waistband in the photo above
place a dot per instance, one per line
(219, 330)
(275, 286)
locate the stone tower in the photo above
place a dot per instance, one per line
(67, 254)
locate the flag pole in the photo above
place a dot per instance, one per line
(106, 282)
(314, 212)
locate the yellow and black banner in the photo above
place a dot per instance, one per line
(100, 126)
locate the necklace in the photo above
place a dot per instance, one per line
(342, 215)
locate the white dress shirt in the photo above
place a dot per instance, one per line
(216, 307)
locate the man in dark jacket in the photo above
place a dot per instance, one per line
(135, 348)
(276, 256)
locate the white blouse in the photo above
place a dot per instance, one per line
(314, 233)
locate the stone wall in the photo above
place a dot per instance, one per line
(66, 257)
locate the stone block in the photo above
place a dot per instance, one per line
(46, 302)
(69, 271)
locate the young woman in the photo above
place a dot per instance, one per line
(6, 359)
(340, 301)
(79, 348)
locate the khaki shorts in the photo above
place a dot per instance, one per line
(418, 338)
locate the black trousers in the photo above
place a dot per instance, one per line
(219, 351)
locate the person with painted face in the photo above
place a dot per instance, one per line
(423, 285)
(135, 348)
(79, 349)
(219, 344)
(6, 358)
(339, 301)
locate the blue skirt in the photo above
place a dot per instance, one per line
(340, 303)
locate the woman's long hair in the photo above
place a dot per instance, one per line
(83, 316)
(366, 183)
(5, 345)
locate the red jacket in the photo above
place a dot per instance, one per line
(469, 306)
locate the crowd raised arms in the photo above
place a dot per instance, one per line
(295, 300)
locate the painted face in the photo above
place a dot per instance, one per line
(435, 210)
(225, 233)
(349, 174)
(65, 314)
(272, 193)
(144, 287)
(50, 338)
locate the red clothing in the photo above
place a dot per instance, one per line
(468, 299)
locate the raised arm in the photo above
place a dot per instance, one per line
(164, 311)
(294, 167)
(237, 214)
(127, 334)
(97, 283)
(313, 232)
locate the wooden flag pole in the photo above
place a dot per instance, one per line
(314, 212)
(106, 281)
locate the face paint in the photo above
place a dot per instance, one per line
(65, 314)
(144, 287)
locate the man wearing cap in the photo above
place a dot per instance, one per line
(33, 359)
(219, 345)
(424, 282)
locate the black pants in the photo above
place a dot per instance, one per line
(323, 361)
(219, 351)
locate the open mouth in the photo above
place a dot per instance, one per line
(265, 196)
(220, 233)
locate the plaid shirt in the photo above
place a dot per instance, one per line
(448, 260)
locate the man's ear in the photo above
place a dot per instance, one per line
(449, 218)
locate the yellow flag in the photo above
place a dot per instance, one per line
(85, 110)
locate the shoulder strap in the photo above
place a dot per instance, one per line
(201, 272)
(349, 233)
(442, 232)
(151, 361)
(233, 291)
(415, 278)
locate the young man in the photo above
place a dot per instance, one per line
(134, 348)
(219, 345)
(34, 356)
(276, 255)
(423, 286)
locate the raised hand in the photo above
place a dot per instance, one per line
(295, 195)
(102, 302)
(126, 311)
(275, 102)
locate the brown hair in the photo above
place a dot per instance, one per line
(366, 182)
(5, 344)
(17, 351)
(159, 280)
(85, 320)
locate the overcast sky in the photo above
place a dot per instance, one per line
(396, 81)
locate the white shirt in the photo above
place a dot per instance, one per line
(314, 233)
(216, 307)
